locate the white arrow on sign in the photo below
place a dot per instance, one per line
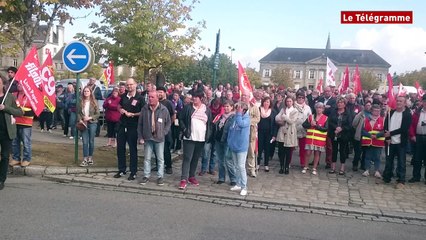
(71, 56)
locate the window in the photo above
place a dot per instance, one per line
(15, 62)
(266, 73)
(321, 74)
(54, 51)
(311, 87)
(379, 76)
(311, 74)
(297, 74)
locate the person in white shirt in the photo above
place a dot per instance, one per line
(397, 125)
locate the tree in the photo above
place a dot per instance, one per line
(97, 44)
(254, 77)
(20, 19)
(410, 78)
(369, 81)
(147, 33)
(282, 76)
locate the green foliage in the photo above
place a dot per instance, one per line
(369, 81)
(410, 78)
(254, 77)
(147, 33)
(97, 44)
(20, 19)
(282, 76)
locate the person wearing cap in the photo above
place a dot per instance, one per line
(162, 98)
(418, 135)
(11, 72)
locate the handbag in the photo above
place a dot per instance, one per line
(81, 126)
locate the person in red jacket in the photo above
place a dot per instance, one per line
(373, 139)
(417, 134)
(112, 116)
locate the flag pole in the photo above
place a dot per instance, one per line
(388, 129)
(8, 90)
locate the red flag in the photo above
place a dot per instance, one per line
(48, 89)
(420, 91)
(345, 82)
(401, 90)
(243, 81)
(108, 75)
(357, 81)
(319, 86)
(29, 76)
(391, 95)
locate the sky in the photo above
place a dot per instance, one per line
(254, 28)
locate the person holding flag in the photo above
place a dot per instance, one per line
(8, 110)
(397, 125)
(24, 130)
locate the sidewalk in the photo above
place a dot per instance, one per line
(351, 195)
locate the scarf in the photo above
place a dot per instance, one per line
(223, 118)
(299, 107)
(265, 113)
(153, 109)
(200, 113)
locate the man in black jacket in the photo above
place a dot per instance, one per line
(396, 133)
(330, 106)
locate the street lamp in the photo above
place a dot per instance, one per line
(232, 49)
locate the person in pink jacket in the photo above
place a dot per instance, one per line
(112, 116)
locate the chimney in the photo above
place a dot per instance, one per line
(60, 34)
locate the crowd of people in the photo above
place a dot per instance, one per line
(234, 133)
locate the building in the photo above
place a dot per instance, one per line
(307, 65)
(54, 43)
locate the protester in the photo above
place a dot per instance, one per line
(316, 136)
(11, 72)
(418, 135)
(358, 125)
(45, 120)
(195, 122)
(339, 126)
(153, 126)
(97, 93)
(129, 107)
(88, 115)
(267, 132)
(223, 154)
(303, 112)
(287, 134)
(23, 130)
(70, 110)
(254, 113)
(238, 141)
(59, 110)
(162, 98)
(8, 110)
(178, 106)
(374, 141)
(396, 133)
(112, 116)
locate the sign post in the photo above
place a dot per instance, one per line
(77, 58)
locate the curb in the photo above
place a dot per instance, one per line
(257, 202)
(34, 170)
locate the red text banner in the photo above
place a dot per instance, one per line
(376, 17)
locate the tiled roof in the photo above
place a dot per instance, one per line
(341, 56)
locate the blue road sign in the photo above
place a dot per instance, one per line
(77, 56)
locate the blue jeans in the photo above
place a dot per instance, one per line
(225, 162)
(149, 148)
(240, 168)
(372, 154)
(208, 157)
(23, 134)
(398, 151)
(88, 137)
(72, 122)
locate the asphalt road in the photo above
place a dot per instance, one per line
(31, 208)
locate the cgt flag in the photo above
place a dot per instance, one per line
(108, 75)
(243, 82)
(48, 89)
(357, 81)
(345, 82)
(391, 95)
(319, 86)
(28, 76)
(420, 91)
(331, 69)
